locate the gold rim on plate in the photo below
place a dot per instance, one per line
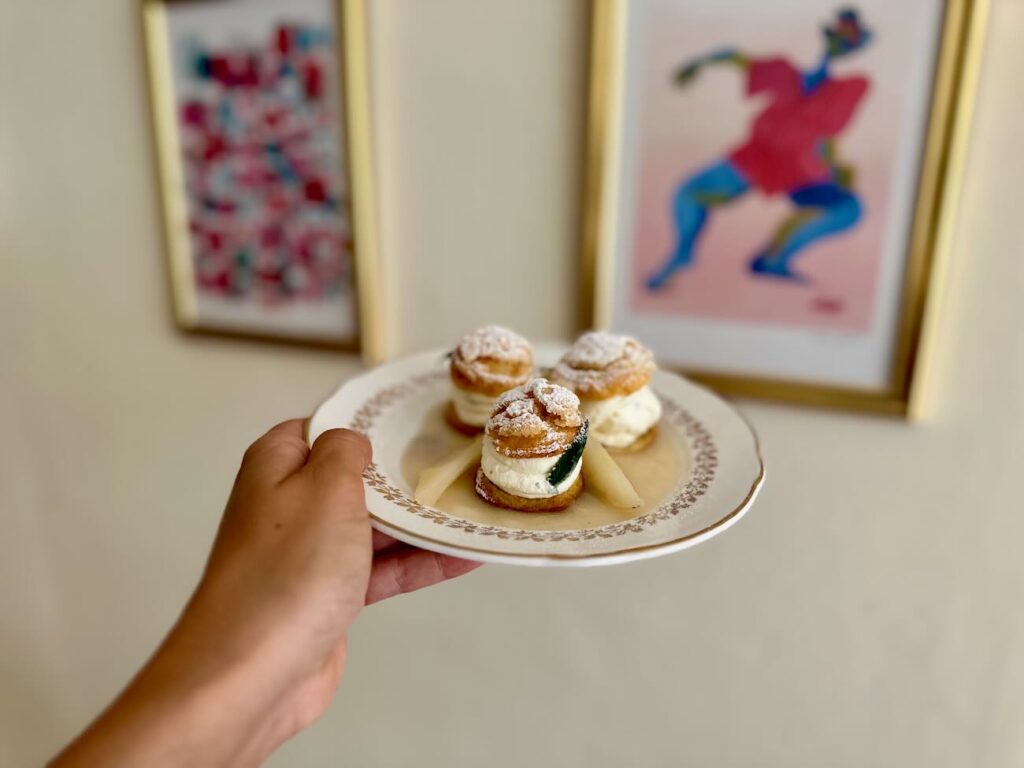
(364, 417)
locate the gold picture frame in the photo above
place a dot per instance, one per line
(371, 337)
(941, 170)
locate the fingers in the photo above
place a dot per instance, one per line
(409, 570)
(340, 451)
(382, 541)
(276, 455)
(282, 451)
(334, 472)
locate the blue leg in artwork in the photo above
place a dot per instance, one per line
(715, 185)
(823, 210)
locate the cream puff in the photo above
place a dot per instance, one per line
(610, 374)
(533, 449)
(485, 364)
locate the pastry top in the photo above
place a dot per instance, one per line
(534, 420)
(491, 360)
(602, 365)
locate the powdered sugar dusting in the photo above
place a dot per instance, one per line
(538, 409)
(557, 401)
(598, 349)
(494, 342)
(599, 361)
(518, 417)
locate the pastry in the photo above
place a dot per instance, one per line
(610, 374)
(484, 364)
(533, 449)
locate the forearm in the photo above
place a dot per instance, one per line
(196, 702)
(729, 56)
(843, 173)
(261, 647)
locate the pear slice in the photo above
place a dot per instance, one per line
(435, 479)
(607, 479)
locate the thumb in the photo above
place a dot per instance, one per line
(339, 452)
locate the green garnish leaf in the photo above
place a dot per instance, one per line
(568, 460)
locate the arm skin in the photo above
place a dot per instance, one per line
(260, 648)
(844, 174)
(689, 71)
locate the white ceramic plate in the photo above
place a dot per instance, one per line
(721, 474)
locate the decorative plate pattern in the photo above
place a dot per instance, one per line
(702, 447)
(720, 480)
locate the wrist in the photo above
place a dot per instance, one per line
(197, 701)
(239, 666)
(212, 691)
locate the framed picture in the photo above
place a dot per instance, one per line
(262, 122)
(769, 187)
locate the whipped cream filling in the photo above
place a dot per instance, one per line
(618, 421)
(472, 408)
(526, 478)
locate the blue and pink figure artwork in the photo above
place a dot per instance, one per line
(783, 190)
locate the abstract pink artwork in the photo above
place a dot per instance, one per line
(261, 171)
(261, 144)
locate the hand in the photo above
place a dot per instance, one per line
(296, 535)
(260, 649)
(845, 175)
(687, 74)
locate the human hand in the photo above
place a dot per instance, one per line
(845, 175)
(260, 649)
(687, 73)
(295, 561)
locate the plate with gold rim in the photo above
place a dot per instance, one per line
(698, 477)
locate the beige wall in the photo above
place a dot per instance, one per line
(869, 612)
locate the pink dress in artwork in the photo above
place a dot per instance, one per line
(783, 151)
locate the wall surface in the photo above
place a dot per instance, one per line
(869, 612)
